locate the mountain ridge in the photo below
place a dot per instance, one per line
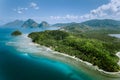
(16, 23)
(94, 23)
(103, 23)
(30, 23)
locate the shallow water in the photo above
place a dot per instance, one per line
(22, 60)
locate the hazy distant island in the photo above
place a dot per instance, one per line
(29, 23)
(16, 33)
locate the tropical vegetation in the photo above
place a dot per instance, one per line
(99, 52)
(16, 33)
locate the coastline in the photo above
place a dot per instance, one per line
(118, 54)
(117, 74)
(89, 65)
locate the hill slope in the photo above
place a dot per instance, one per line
(105, 23)
(16, 23)
(44, 24)
(30, 24)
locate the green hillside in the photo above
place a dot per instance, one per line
(105, 23)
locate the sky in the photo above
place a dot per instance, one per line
(58, 11)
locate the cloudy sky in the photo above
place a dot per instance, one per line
(55, 11)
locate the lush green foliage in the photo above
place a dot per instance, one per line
(101, 34)
(30, 23)
(16, 33)
(105, 23)
(76, 27)
(95, 51)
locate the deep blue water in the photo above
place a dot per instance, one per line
(14, 65)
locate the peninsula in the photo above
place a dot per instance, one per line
(95, 51)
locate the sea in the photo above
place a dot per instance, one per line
(20, 59)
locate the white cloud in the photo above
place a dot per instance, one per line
(110, 10)
(23, 9)
(34, 5)
(70, 17)
(66, 18)
(20, 10)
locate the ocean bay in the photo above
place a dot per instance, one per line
(16, 65)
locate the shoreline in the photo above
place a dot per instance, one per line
(89, 65)
(118, 55)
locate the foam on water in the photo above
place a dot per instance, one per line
(26, 54)
(25, 44)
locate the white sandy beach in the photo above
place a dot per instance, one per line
(91, 65)
(118, 54)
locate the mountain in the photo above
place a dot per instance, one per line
(76, 27)
(62, 24)
(43, 24)
(30, 24)
(105, 23)
(16, 23)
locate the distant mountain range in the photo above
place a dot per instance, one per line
(95, 23)
(16, 23)
(30, 23)
(62, 24)
(105, 23)
(44, 23)
(76, 27)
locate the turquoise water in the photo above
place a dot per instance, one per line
(17, 64)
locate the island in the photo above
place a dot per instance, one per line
(16, 33)
(98, 52)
